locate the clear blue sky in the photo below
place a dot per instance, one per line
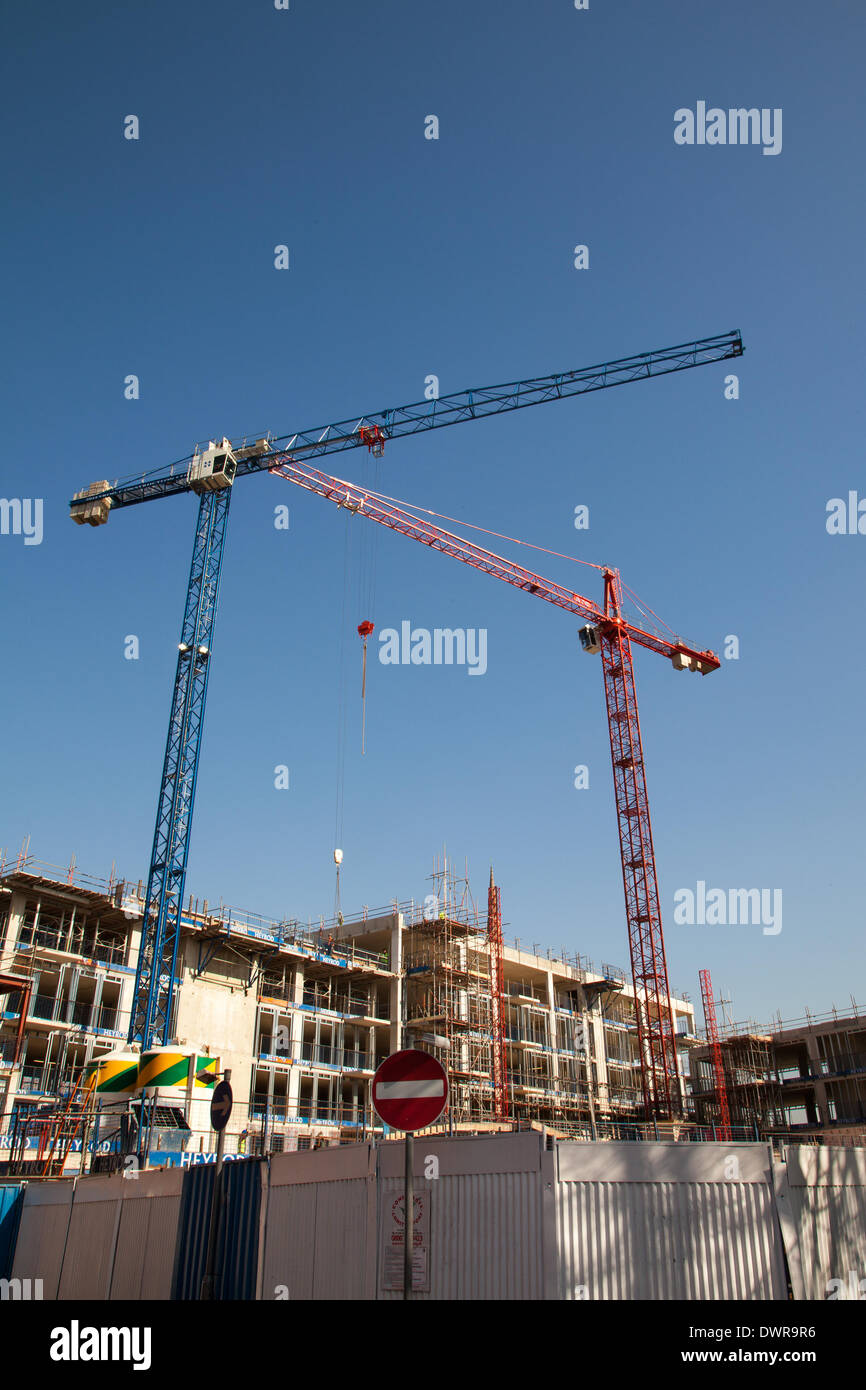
(411, 257)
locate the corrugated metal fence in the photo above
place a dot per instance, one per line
(237, 1258)
(668, 1221)
(503, 1216)
(483, 1232)
(321, 1222)
(821, 1200)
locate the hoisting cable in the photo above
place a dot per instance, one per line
(643, 609)
(338, 906)
(367, 592)
(342, 713)
(442, 516)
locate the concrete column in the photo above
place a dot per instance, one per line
(293, 1091)
(51, 1045)
(37, 976)
(125, 999)
(396, 990)
(819, 1088)
(551, 1028)
(7, 1100)
(61, 980)
(74, 978)
(599, 1052)
(297, 1035)
(97, 1000)
(13, 927)
(297, 1015)
(332, 1098)
(271, 1076)
(134, 950)
(67, 940)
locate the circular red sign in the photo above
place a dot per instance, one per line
(410, 1090)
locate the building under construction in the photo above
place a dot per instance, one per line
(303, 1013)
(807, 1076)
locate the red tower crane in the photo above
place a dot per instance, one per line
(497, 1000)
(721, 1087)
(609, 633)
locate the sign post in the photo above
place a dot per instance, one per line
(409, 1212)
(410, 1091)
(220, 1110)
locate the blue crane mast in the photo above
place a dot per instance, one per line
(210, 472)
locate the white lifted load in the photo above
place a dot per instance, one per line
(93, 513)
(212, 469)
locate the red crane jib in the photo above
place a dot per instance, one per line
(613, 636)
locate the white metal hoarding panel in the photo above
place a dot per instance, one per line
(485, 1235)
(318, 1241)
(667, 1221)
(89, 1256)
(147, 1236)
(42, 1233)
(507, 1220)
(658, 1240)
(662, 1162)
(821, 1201)
(321, 1224)
(488, 1153)
(290, 1242)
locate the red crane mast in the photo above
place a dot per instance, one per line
(610, 634)
(497, 1000)
(724, 1130)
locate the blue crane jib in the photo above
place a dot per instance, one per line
(373, 430)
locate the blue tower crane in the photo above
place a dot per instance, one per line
(211, 472)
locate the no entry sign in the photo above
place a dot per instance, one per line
(410, 1090)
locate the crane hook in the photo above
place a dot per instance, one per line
(364, 630)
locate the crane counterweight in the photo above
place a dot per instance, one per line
(91, 513)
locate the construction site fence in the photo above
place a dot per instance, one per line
(519, 1216)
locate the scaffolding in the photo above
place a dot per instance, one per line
(751, 1081)
(448, 1003)
(55, 1128)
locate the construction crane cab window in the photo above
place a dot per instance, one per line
(213, 468)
